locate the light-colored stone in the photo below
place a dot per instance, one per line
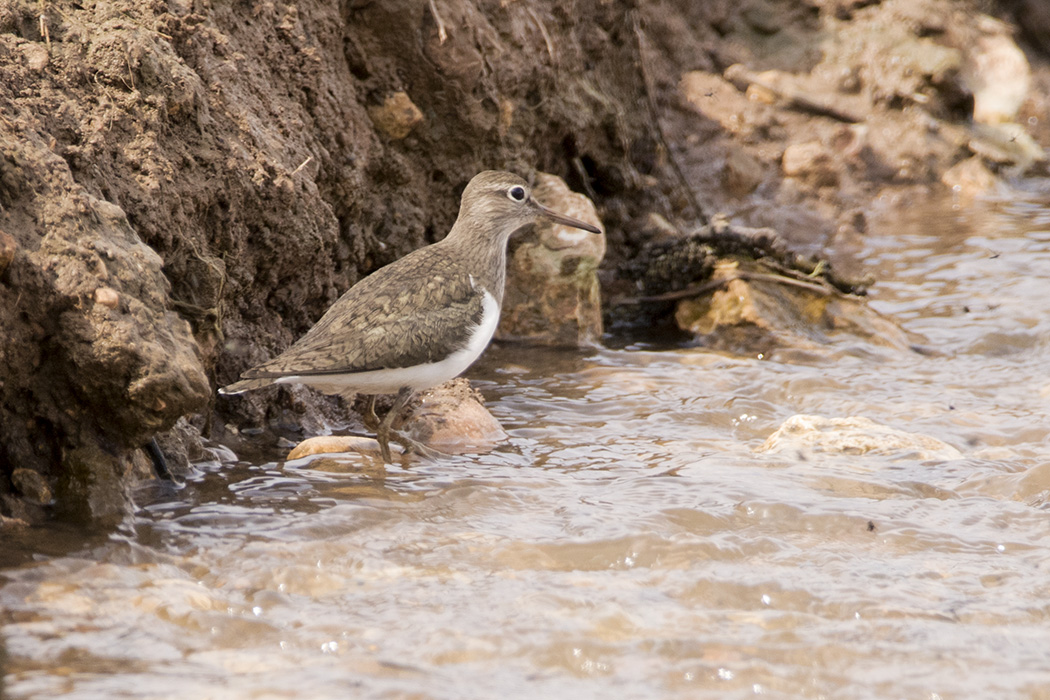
(107, 296)
(449, 418)
(854, 435)
(1007, 144)
(996, 71)
(716, 98)
(810, 161)
(552, 296)
(334, 444)
(969, 178)
(757, 309)
(396, 116)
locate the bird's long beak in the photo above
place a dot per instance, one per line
(564, 220)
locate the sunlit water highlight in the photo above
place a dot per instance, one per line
(631, 541)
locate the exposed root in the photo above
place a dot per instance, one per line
(442, 34)
(654, 117)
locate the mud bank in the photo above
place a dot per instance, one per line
(186, 187)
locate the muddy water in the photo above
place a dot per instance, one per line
(632, 540)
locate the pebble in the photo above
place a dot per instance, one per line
(396, 116)
(334, 444)
(107, 296)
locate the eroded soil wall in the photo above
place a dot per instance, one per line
(186, 186)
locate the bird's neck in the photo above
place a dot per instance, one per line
(484, 255)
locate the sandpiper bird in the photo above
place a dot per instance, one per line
(421, 320)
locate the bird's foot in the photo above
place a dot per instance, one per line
(409, 446)
(415, 447)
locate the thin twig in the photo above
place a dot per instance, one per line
(302, 165)
(654, 116)
(543, 30)
(131, 71)
(787, 282)
(711, 285)
(44, 31)
(442, 34)
(676, 295)
(577, 164)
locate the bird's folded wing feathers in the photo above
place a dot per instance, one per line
(366, 331)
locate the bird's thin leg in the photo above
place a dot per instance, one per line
(370, 418)
(384, 429)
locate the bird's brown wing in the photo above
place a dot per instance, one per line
(414, 311)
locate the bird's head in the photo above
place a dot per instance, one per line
(502, 202)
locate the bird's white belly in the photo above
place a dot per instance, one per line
(418, 377)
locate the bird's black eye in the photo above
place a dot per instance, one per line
(517, 193)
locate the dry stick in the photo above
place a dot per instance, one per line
(697, 290)
(655, 118)
(686, 293)
(577, 164)
(788, 282)
(131, 71)
(302, 165)
(442, 34)
(44, 31)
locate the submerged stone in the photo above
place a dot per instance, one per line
(335, 444)
(853, 435)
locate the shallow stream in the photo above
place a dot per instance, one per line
(632, 540)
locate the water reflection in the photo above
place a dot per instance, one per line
(632, 539)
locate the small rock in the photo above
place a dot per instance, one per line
(810, 161)
(761, 94)
(93, 486)
(107, 296)
(32, 485)
(969, 178)
(849, 81)
(742, 172)
(716, 98)
(35, 55)
(397, 116)
(855, 436)
(552, 296)
(12, 523)
(328, 444)
(1008, 144)
(19, 511)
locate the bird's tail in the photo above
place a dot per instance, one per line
(245, 385)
